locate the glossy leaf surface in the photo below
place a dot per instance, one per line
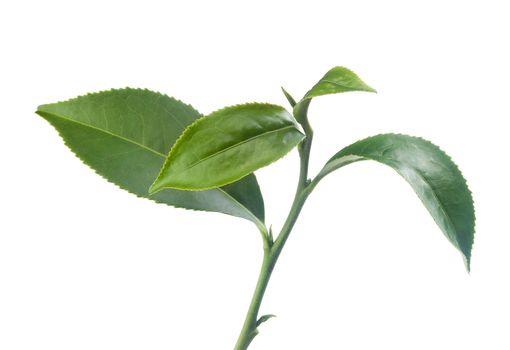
(432, 174)
(227, 145)
(336, 80)
(125, 135)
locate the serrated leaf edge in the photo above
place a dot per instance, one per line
(467, 259)
(255, 219)
(154, 189)
(366, 87)
(127, 88)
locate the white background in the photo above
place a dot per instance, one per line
(84, 265)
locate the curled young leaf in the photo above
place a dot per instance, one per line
(289, 98)
(432, 174)
(263, 319)
(227, 145)
(336, 80)
(125, 134)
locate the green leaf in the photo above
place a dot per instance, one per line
(432, 174)
(228, 145)
(124, 135)
(289, 98)
(336, 80)
(263, 319)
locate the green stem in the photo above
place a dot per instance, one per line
(249, 330)
(272, 250)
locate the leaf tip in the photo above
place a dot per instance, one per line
(366, 88)
(40, 110)
(467, 262)
(289, 98)
(371, 89)
(263, 319)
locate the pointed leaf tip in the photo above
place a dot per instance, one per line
(467, 261)
(289, 97)
(432, 174)
(125, 134)
(263, 319)
(336, 80)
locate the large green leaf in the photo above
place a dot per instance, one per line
(227, 145)
(336, 80)
(125, 135)
(434, 177)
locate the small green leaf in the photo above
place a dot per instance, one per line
(263, 319)
(289, 98)
(228, 145)
(336, 80)
(124, 135)
(432, 174)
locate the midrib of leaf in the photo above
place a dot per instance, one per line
(441, 205)
(235, 145)
(103, 131)
(345, 86)
(335, 83)
(42, 113)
